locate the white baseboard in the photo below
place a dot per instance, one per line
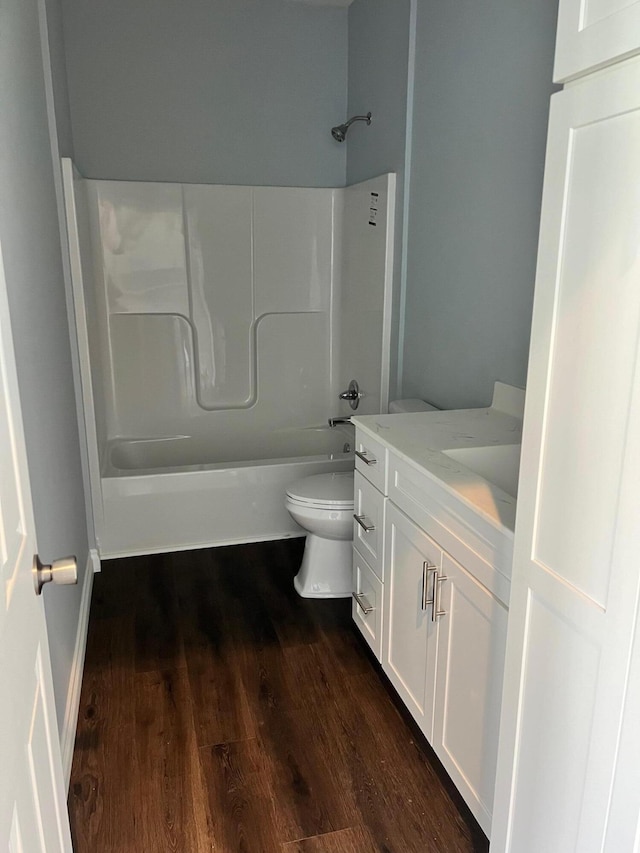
(68, 734)
(94, 559)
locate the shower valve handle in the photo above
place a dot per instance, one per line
(352, 394)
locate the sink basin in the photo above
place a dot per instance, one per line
(499, 464)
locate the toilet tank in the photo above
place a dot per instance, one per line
(410, 405)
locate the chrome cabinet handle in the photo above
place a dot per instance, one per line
(362, 521)
(362, 602)
(362, 454)
(435, 607)
(427, 569)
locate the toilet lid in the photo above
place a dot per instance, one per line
(334, 490)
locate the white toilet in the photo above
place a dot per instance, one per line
(323, 505)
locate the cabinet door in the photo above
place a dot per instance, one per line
(471, 642)
(593, 33)
(574, 593)
(409, 631)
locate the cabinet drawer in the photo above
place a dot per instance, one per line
(368, 523)
(484, 550)
(367, 603)
(371, 460)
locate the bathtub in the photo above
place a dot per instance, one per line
(182, 492)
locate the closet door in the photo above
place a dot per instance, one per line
(576, 574)
(593, 33)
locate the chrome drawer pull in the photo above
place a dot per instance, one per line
(362, 603)
(427, 569)
(362, 454)
(435, 607)
(362, 521)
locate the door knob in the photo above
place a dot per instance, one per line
(64, 571)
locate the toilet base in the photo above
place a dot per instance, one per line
(325, 571)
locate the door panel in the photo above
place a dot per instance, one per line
(32, 802)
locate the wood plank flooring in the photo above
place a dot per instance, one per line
(221, 712)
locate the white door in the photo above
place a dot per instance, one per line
(472, 635)
(574, 598)
(410, 633)
(592, 33)
(33, 814)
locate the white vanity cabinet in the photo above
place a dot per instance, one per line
(443, 645)
(593, 33)
(430, 593)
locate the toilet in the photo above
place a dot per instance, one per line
(323, 505)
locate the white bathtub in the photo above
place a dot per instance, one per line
(176, 493)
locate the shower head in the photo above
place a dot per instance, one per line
(339, 132)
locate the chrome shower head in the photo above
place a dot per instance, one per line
(339, 132)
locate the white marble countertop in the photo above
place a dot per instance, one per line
(420, 439)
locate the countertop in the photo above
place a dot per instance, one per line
(420, 439)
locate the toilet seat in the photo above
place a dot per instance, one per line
(321, 505)
(323, 491)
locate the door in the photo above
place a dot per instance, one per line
(410, 631)
(574, 597)
(472, 635)
(593, 33)
(33, 813)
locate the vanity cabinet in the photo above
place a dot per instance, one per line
(595, 33)
(430, 592)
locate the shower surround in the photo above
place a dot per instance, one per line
(216, 327)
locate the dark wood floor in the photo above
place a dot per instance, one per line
(220, 711)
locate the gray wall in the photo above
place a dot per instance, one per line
(213, 91)
(378, 65)
(482, 88)
(59, 74)
(30, 239)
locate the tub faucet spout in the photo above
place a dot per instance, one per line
(335, 421)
